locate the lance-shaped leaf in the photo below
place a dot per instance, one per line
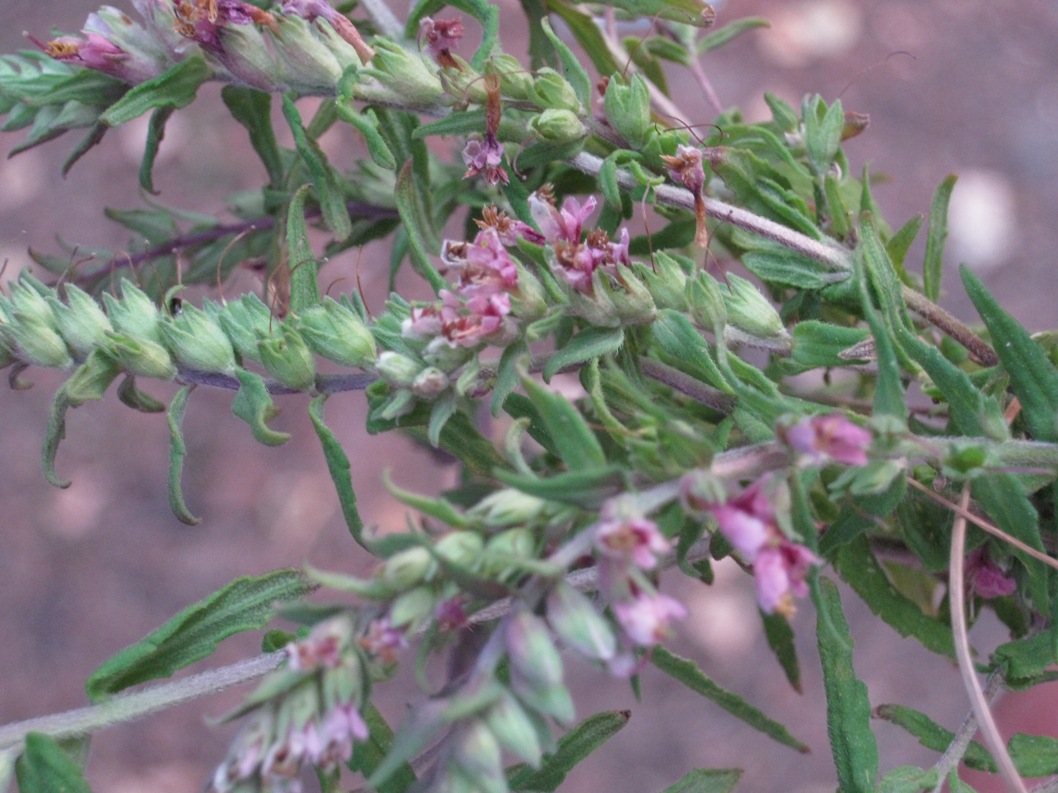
(706, 780)
(571, 67)
(689, 12)
(45, 767)
(573, 438)
(339, 468)
(688, 673)
(252, 109)
(591, 343)
(572, 747)
(368, 755)
(936, 233)
(366, 123)
(721, 36)
(418, 227)
(175, 88)
(177, 454)
(1033, 377)
(245, 604)
(253, 404)
(324, 178)
(848, 709)
(933, 736)
(155, 133)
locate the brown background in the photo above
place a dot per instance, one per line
(967, 87)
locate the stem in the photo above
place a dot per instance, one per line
(687, 385)
(957, 601)
(960, 743)
(940, 318)
(325, 383)
(126, 707)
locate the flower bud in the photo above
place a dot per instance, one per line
(630, 298)
(749, 311)
(515, 81)
(478, 755)
(665, 280)
(197, 341)
(442, 355)
(135, 315)
(408, 567)
(36, 343)
(628, 109)
(410, 608)
(310, 58)
(141, 356)
(82, 322)
(579, 624)
(506, 507)
(405, 73)
(515, 730)
(532, 650)
(706, 302)
(561, 126)
(337, 333)
(396, 369)
(528, 299)
(430, 383)
(245, 322)
(288, 359)
(551, 90)
(460, 548)
(701, 490)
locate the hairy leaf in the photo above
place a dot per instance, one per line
(175, 88)
(45, 767)
(243, 605)
(253, 404)
(572, 747)
(339, 468)
(324, 178)
(177, 454)
(936, 233)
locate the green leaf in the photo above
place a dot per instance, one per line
(933, 736)
(324, 178)
(776, 263)
(819, 345)
(253, 109)
(339, 468)
(243, 605)
(368, 755)
(587, 488)
(253, 404)
(1033, 377)
(53, 436)
(462, 122)
(1026, 660)
(678, 337)
(588, 36)
(936, 233)
(1034, 755)
(722, 35)
(177, 454)
(155, 133)
(304, 269)
(366, 123)
(136, 399)
(701, 780)
(689, 12)
(572, 747)
(585, 346)
(823, 132)
(899, 244)
(576, 443)
(688, 673)
(848, 709)
(909, 779)
(889, 393)
(174, 89)
(856, 564)
(418, 227)
(45, 767)
(780, 638)
(572, 70)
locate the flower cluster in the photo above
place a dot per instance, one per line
(830, 438)
(748, 521)
(315, 719)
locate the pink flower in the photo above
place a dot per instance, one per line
(829, 438)
(630, 537)
(985, 577)
(646, 618)
(507, 228)
(686, 167)
(441, 37)
(489, 268)
(560, 224)
(485, 155)
(780, 572)
(748, 520)
(383, 640)
(341, 727)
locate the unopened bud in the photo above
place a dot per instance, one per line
(245, 321)
(478, 755)
(36, 343)
(701, 490)
(706, 302)
(405, 73)
(506, 507)
(337, 333)
(82, 322)
(515, 81)
(460, 548)
(552, 90)
(396, 369)
(528, 300)
(141, 356)
(559, 125)
(631, 300)
(665, 280)
(628, 109)
(408, 567)
(409, 609)
(197, 341)
(288, 359)
(531, 649)
(135, 315)
(430, 383)
(579, 624)
(750, 311)
(515, 730)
